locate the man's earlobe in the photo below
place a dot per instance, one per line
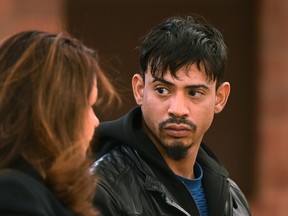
(138, 88)
(222, 95)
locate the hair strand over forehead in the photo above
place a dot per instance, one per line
(180, 42)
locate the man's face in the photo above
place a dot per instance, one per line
(178, 111)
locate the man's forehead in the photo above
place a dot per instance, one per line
(192, 73)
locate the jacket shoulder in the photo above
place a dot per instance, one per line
(113, 165)
(237, 201)
(117, 181)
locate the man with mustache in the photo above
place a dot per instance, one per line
(152, 161)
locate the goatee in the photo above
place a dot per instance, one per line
(176, 152)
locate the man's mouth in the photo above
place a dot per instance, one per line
(177, 130)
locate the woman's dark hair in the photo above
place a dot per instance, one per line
(45, 83)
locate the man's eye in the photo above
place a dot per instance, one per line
(195, 93)
(192, 93)
(161, 90)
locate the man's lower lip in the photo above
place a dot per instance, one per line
(177, 133)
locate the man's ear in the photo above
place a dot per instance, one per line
(138, 86)
(222, 94)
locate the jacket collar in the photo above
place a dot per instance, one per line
(127, 130)
(214, 180)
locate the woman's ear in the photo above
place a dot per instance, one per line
(138, 87)
(222, 94)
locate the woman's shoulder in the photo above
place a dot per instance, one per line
(19, 192)
(22, 193)
(14, 180)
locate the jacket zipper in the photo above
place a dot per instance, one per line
(174, 204)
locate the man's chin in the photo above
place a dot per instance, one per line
(177, 151)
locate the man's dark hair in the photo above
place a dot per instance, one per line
(182, 42)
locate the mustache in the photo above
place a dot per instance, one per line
(176, 120)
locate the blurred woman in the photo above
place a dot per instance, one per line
(48, 88)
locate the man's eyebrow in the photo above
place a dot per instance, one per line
(158, 79)
(196, 86)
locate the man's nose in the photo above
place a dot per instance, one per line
(178, 106)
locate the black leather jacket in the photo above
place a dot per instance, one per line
(133, 179)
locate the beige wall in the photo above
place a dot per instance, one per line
(21, 15)
(273, 109)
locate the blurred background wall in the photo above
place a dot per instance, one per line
(250, 136)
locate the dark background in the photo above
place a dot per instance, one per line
(115, 28)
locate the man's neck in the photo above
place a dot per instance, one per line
(185, 166)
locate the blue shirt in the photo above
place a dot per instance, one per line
(195, 187)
